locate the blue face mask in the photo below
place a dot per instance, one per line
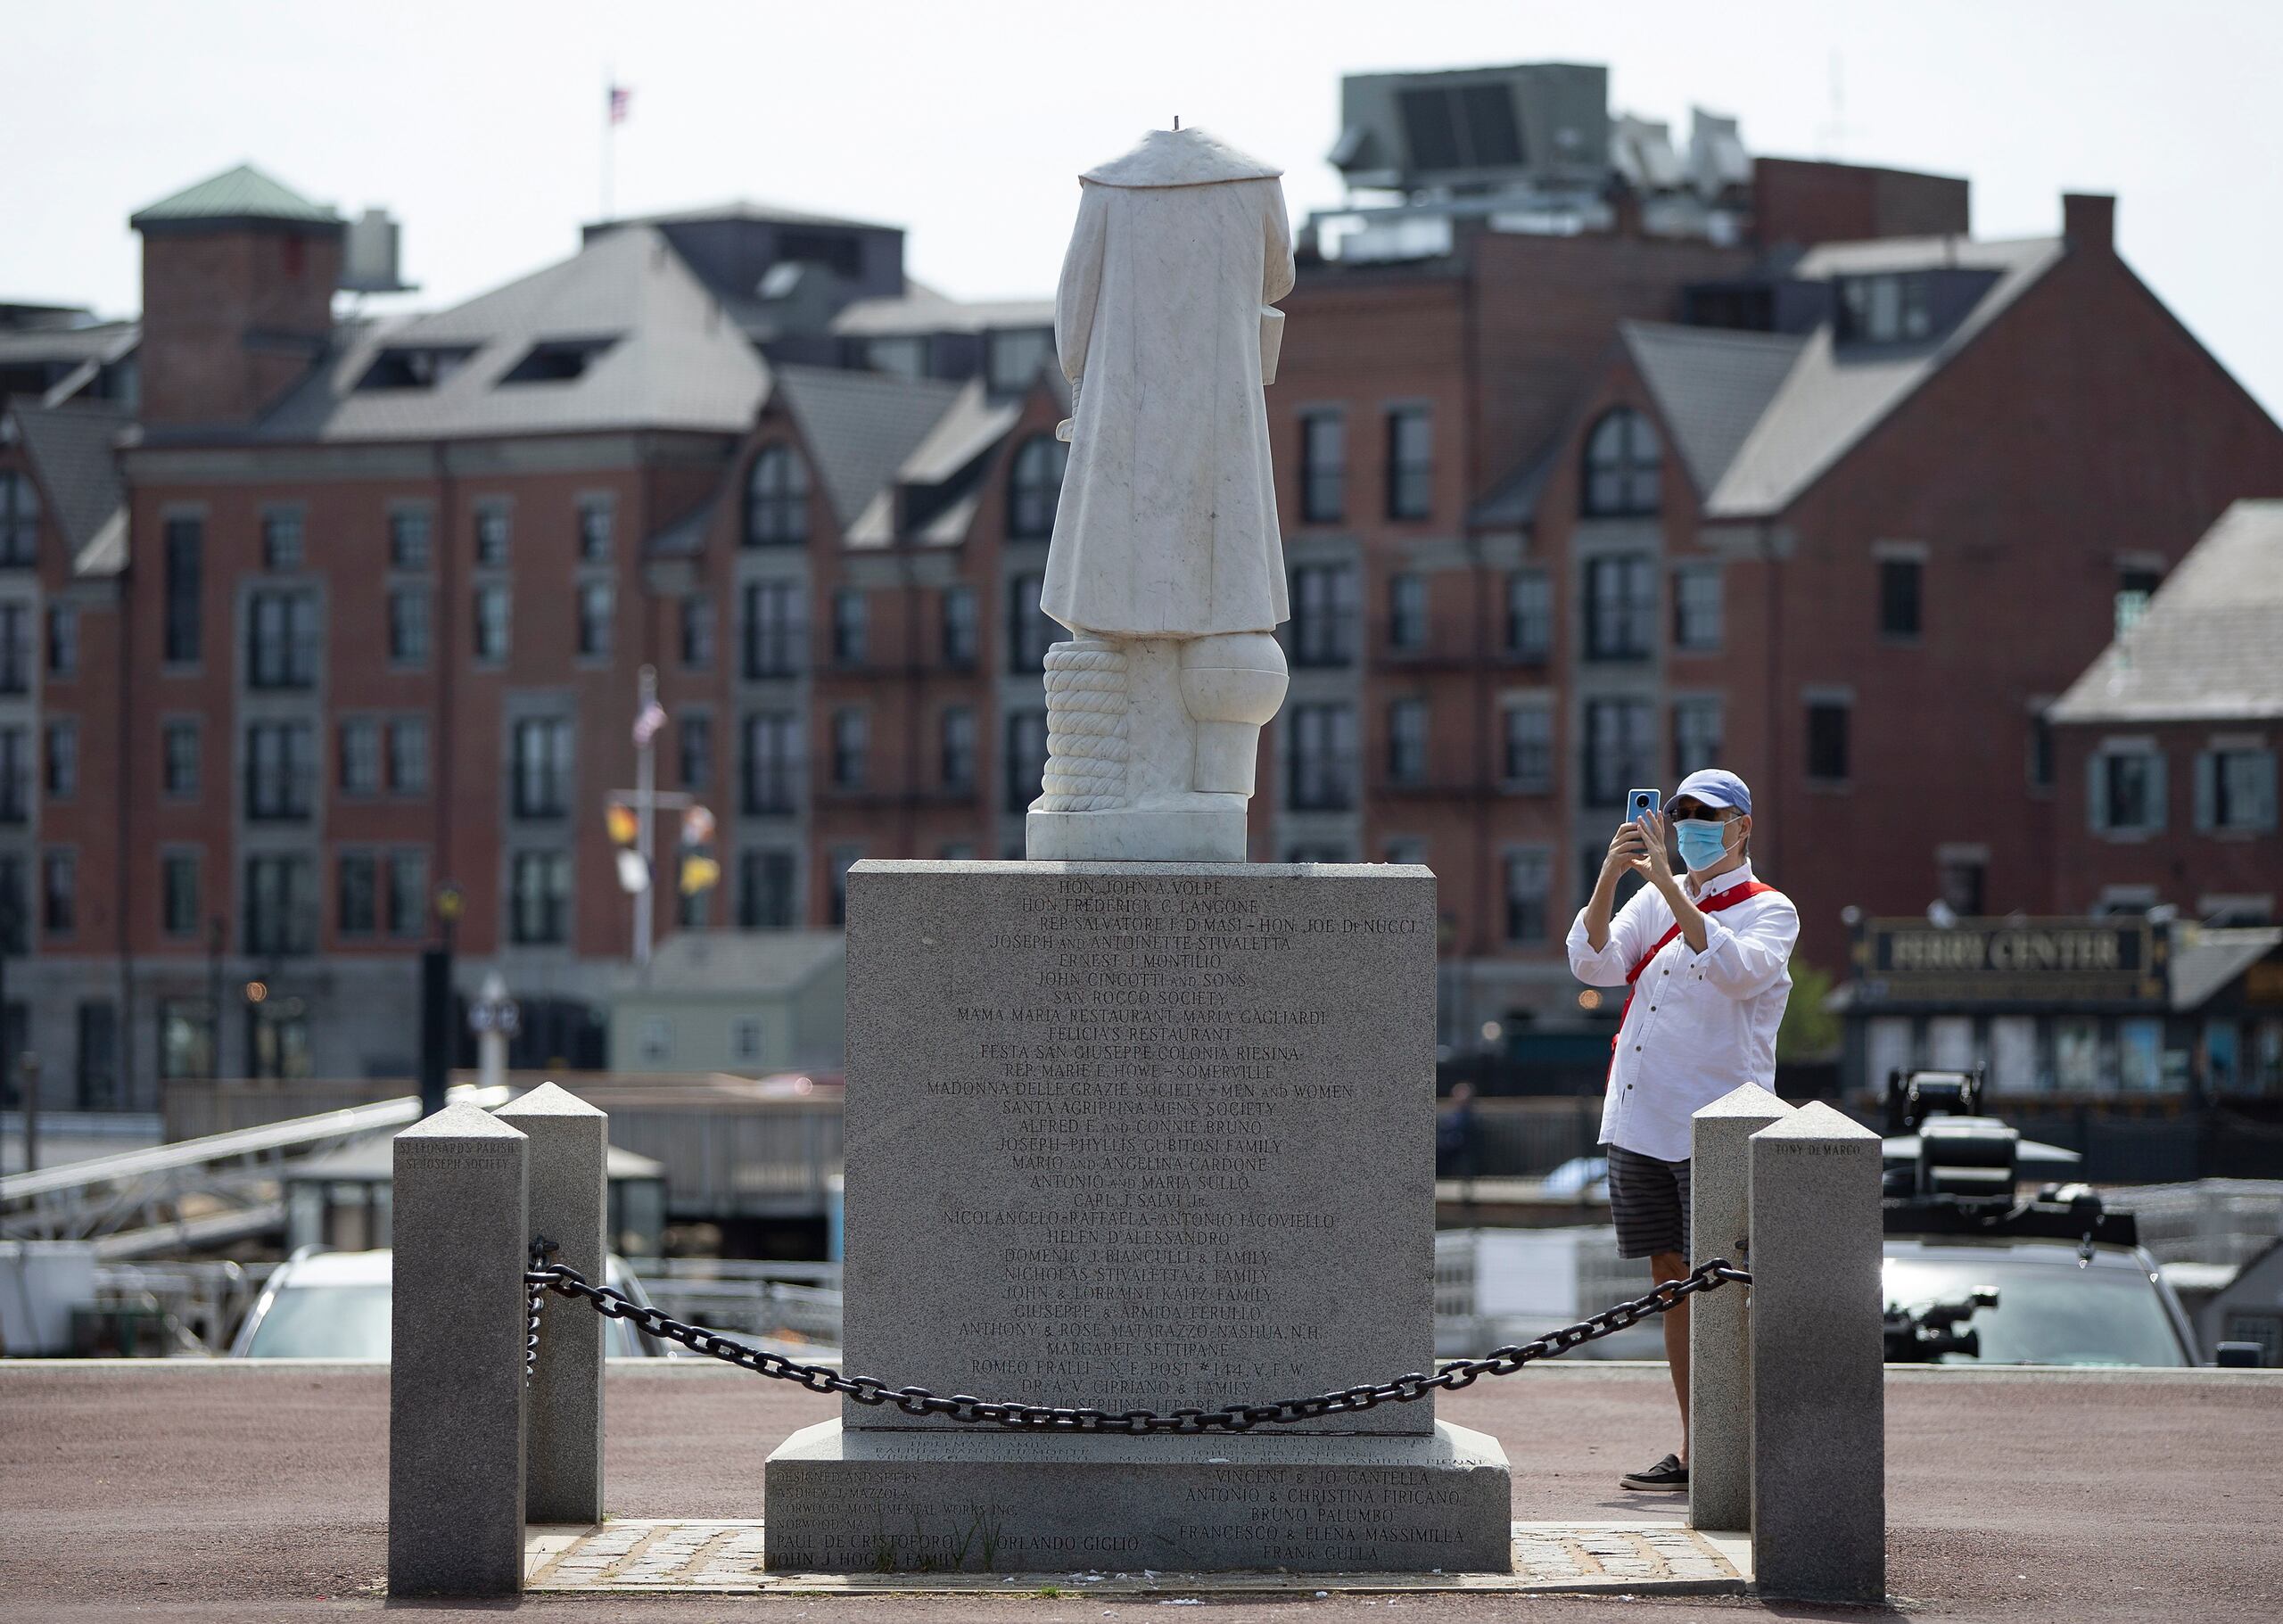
(1701, 843)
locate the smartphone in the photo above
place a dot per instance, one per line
(1639, 801)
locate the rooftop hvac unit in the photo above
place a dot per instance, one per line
(369, 259)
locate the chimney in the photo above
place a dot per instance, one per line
(2088, 221)
(238, 278)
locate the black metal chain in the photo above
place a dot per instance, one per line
(542, 1248)
(1236, 1418)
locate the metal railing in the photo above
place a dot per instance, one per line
(104, 1195)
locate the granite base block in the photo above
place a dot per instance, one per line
(843, 1501)
(1140, 1135)
(1137, 833)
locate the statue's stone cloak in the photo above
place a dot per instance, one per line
(1168, 522)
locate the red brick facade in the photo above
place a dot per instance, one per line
(2079, 434)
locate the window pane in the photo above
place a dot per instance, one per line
(1529, 748)
(409, 625)
(777, 499)
(1529, 615)
(1035, 486)
(183, 630)
(1899, 597)
(1827, 742)
(408, 539)
(408, 755)
(492, 530)
(1528, 879)
(1407, 611)
(1323, 467)
(1411, 465)
(1324, 602)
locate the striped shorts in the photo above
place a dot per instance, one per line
(1648, 1202)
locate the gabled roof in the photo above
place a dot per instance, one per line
(243, 194)
(1833, 395)
(1711, 386)
(671, 360)
(2209, 646)
(860, 426)
(974, 424)
(74, 452)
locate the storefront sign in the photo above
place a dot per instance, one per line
(2047, 962)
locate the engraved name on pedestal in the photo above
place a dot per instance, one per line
(1134, 1136)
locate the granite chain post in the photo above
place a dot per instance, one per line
(1818, 1396)
(456, 1392)
(563, 1474)
(1719, 1328)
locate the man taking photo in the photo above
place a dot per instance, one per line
(1706, 959)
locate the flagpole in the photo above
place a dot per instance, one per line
(646, 793)
(610, 130)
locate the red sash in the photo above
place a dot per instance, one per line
(1725, 899)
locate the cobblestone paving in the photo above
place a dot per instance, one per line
(723, 1556)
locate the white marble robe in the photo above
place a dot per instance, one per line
(1168, 521)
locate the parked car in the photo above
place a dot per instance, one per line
(2029, 1301)
(321, 1305)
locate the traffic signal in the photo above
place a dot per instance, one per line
(699, 870)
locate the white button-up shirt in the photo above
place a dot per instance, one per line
(1699, 1024)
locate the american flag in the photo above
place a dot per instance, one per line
(646, 725)
(619, 98)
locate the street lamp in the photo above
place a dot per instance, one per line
(436, 1002)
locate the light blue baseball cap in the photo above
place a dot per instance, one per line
(1715, 786)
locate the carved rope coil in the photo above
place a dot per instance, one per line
(1085, 728)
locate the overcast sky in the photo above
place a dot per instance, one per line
(479, 123)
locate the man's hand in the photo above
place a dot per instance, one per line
(1648, 859)
(1625, 848)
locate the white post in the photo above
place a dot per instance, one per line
(457, 1335)
(569, 1195)
(1719, 1327)
(491, 1034)
(1818, 1405)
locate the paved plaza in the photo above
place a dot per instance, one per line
(723, 1557)
(258, 1496)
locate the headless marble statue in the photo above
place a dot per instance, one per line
(1165, 565)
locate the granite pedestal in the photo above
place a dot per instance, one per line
(562, 1448)
(1818, 1406)
(1140, 1135)
(457, 1333)
(1720, 1322)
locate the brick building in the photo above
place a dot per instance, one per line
(1591, 467)
(2154, 964)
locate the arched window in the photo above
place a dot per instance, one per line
(1623, 463)
(1034, 488)
(777, 499)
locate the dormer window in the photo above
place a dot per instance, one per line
(900, 357)
(777, 499)
(1015, 356)
(556, 360)
(19, 520)
(415, 367)
(1893, 307)
(1624, 467)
